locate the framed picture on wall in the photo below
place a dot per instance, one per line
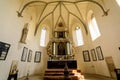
(86, 56)
(4, 48)
(99, 53)
(24, 54)
(29, 56)
(93, 55)
(37, 56)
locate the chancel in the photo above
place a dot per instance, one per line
(61, 56)
(61, 45)
(59, 39)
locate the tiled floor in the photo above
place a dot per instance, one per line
(87, 77)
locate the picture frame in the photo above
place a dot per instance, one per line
(86, 56)
(4, 48)
(24, 54)
(29, 55)
(99, 53)
(37, 58)
(93, 55)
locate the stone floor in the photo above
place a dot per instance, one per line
(36, 77)
(87, 77)
(96, 77)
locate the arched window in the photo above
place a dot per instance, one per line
(43, 36)
(79, 36)
(93, 27)
(118, 1)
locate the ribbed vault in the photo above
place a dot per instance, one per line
(61, 11)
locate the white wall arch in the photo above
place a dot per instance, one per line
(93, 26)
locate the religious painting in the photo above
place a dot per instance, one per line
(99, 53)
(37, 56)
(29, 56)
(61, 34)
(86, 56)
(62, 48)
(93, 54)
(24, 54)
(4, 48)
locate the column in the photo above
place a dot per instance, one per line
(68, 48)
(54, 49)
(66, 35)
(56, 34)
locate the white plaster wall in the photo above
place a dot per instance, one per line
(10, 32)
(109, 39)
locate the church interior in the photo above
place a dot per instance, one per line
(59, 39)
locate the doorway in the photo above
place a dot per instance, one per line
(111, 66)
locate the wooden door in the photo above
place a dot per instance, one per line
(111, 66)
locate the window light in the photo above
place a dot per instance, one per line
(79, 36)
(43, 36)
(118, 1)
(93, 27)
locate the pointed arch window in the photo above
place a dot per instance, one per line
(118, 1)
(93, 27)
(79, 36)
(43, 37)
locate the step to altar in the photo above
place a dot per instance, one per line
(58, 74)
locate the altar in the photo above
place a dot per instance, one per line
(60, 64)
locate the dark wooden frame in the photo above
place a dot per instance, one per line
(93, 55)
(86, 56)
(29, 55)
(37, 58)
(99, 53)
(24, 54)
(4, 48)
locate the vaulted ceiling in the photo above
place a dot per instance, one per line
(61, 11)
